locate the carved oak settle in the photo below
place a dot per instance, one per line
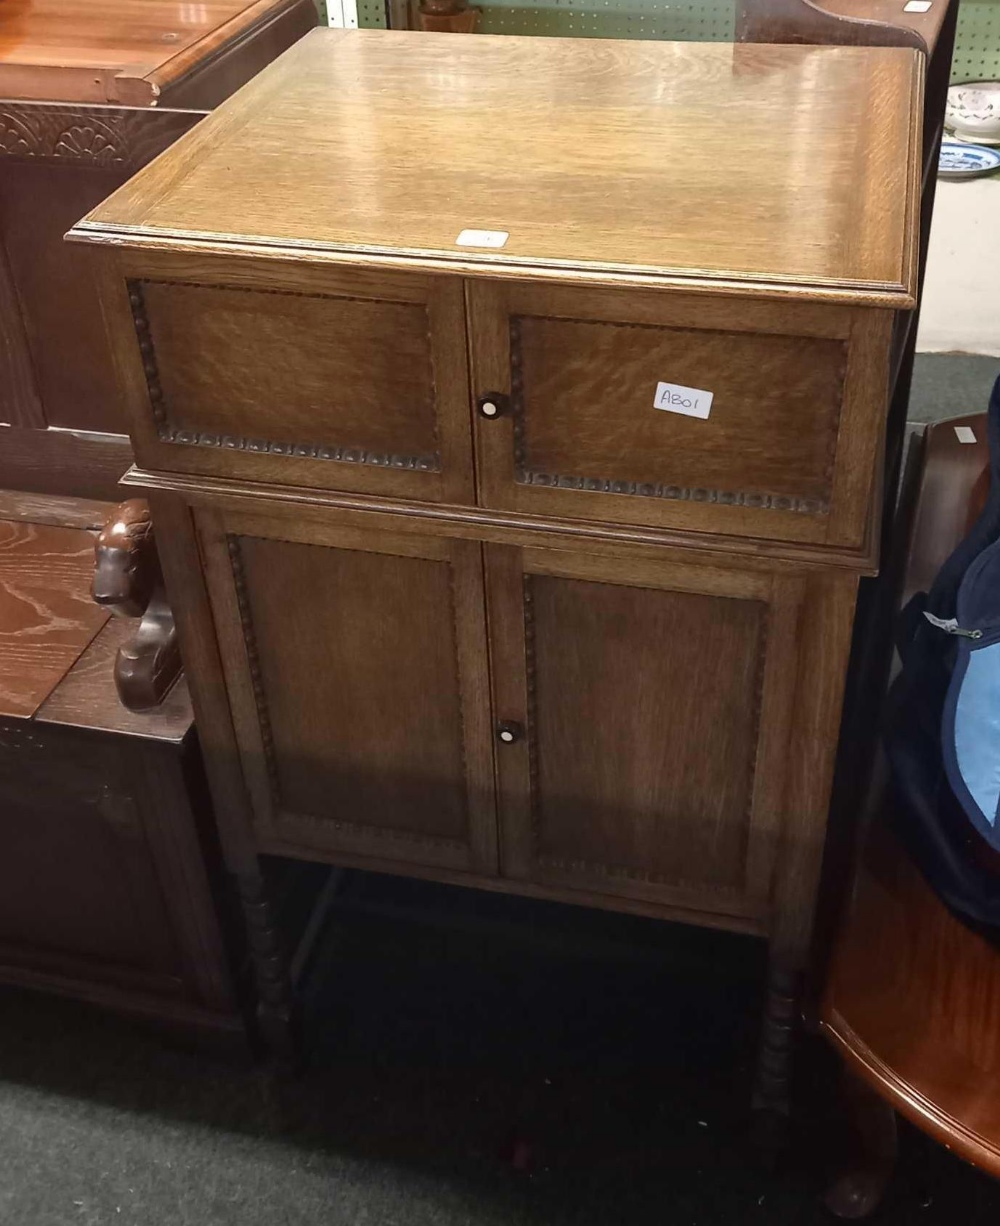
(106, 885)
(525, 561)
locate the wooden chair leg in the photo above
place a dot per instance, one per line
(871, 1159)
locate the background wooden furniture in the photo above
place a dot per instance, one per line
(105, 827)
(912, 995)
(88, 96)
(105, 838)
(603, 663)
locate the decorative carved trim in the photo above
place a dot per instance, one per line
(463, 756)
(96, 135)
(168, 433)
(643, 489)
(594, 867)
(267, 735)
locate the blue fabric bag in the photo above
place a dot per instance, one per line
(942, 728)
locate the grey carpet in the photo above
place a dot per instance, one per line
(951, 385)
(479, 1062)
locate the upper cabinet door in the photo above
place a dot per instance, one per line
(356, 670)
(644, 726)
(734, 416)
(297, 374)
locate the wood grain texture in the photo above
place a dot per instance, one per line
(60, 162)
(848, 23)
(19, 402)
(46, 615)
(380, 399)
(770, 440)
(790, 446)
(607, 169)
(181, 561)
(658, 773)
(912, 996)
(357, 672)
(48, 509)
(127, 51)
(505, 526)
(68, 137)
(840, 23)
(223, 357)
(912, 1003)
(67, 463)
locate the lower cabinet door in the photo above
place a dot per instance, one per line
(643, 712)
(356, 667)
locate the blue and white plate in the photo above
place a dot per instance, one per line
(961, 161)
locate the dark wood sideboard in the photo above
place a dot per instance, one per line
(107, 885)
(458, 596)
(87, 97)
(107, 881)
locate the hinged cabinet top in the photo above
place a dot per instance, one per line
(123, 52)
(770, 169)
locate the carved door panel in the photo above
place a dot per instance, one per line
(356, 667)
(676, 411)
(352, 380)
(643, 714)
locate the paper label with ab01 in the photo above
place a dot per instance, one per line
(675, 398)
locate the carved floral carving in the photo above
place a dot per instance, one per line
(99, 135)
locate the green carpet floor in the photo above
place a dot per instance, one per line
(479, 1061)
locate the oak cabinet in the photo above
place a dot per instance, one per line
(527, 561)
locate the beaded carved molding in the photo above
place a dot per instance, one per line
(167, 432)
(594, 867)
(642, 489)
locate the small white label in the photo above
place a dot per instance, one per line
(691, 401)
(965, 434)
(917, 6)
(482, 238)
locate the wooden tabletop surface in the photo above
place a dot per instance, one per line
(102, 50)
(604, 159)
(47, 617)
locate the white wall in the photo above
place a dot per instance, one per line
(961, 307)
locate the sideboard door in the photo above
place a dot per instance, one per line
(678, 411)
(337, 379)
(643, 718)
(355, 663)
